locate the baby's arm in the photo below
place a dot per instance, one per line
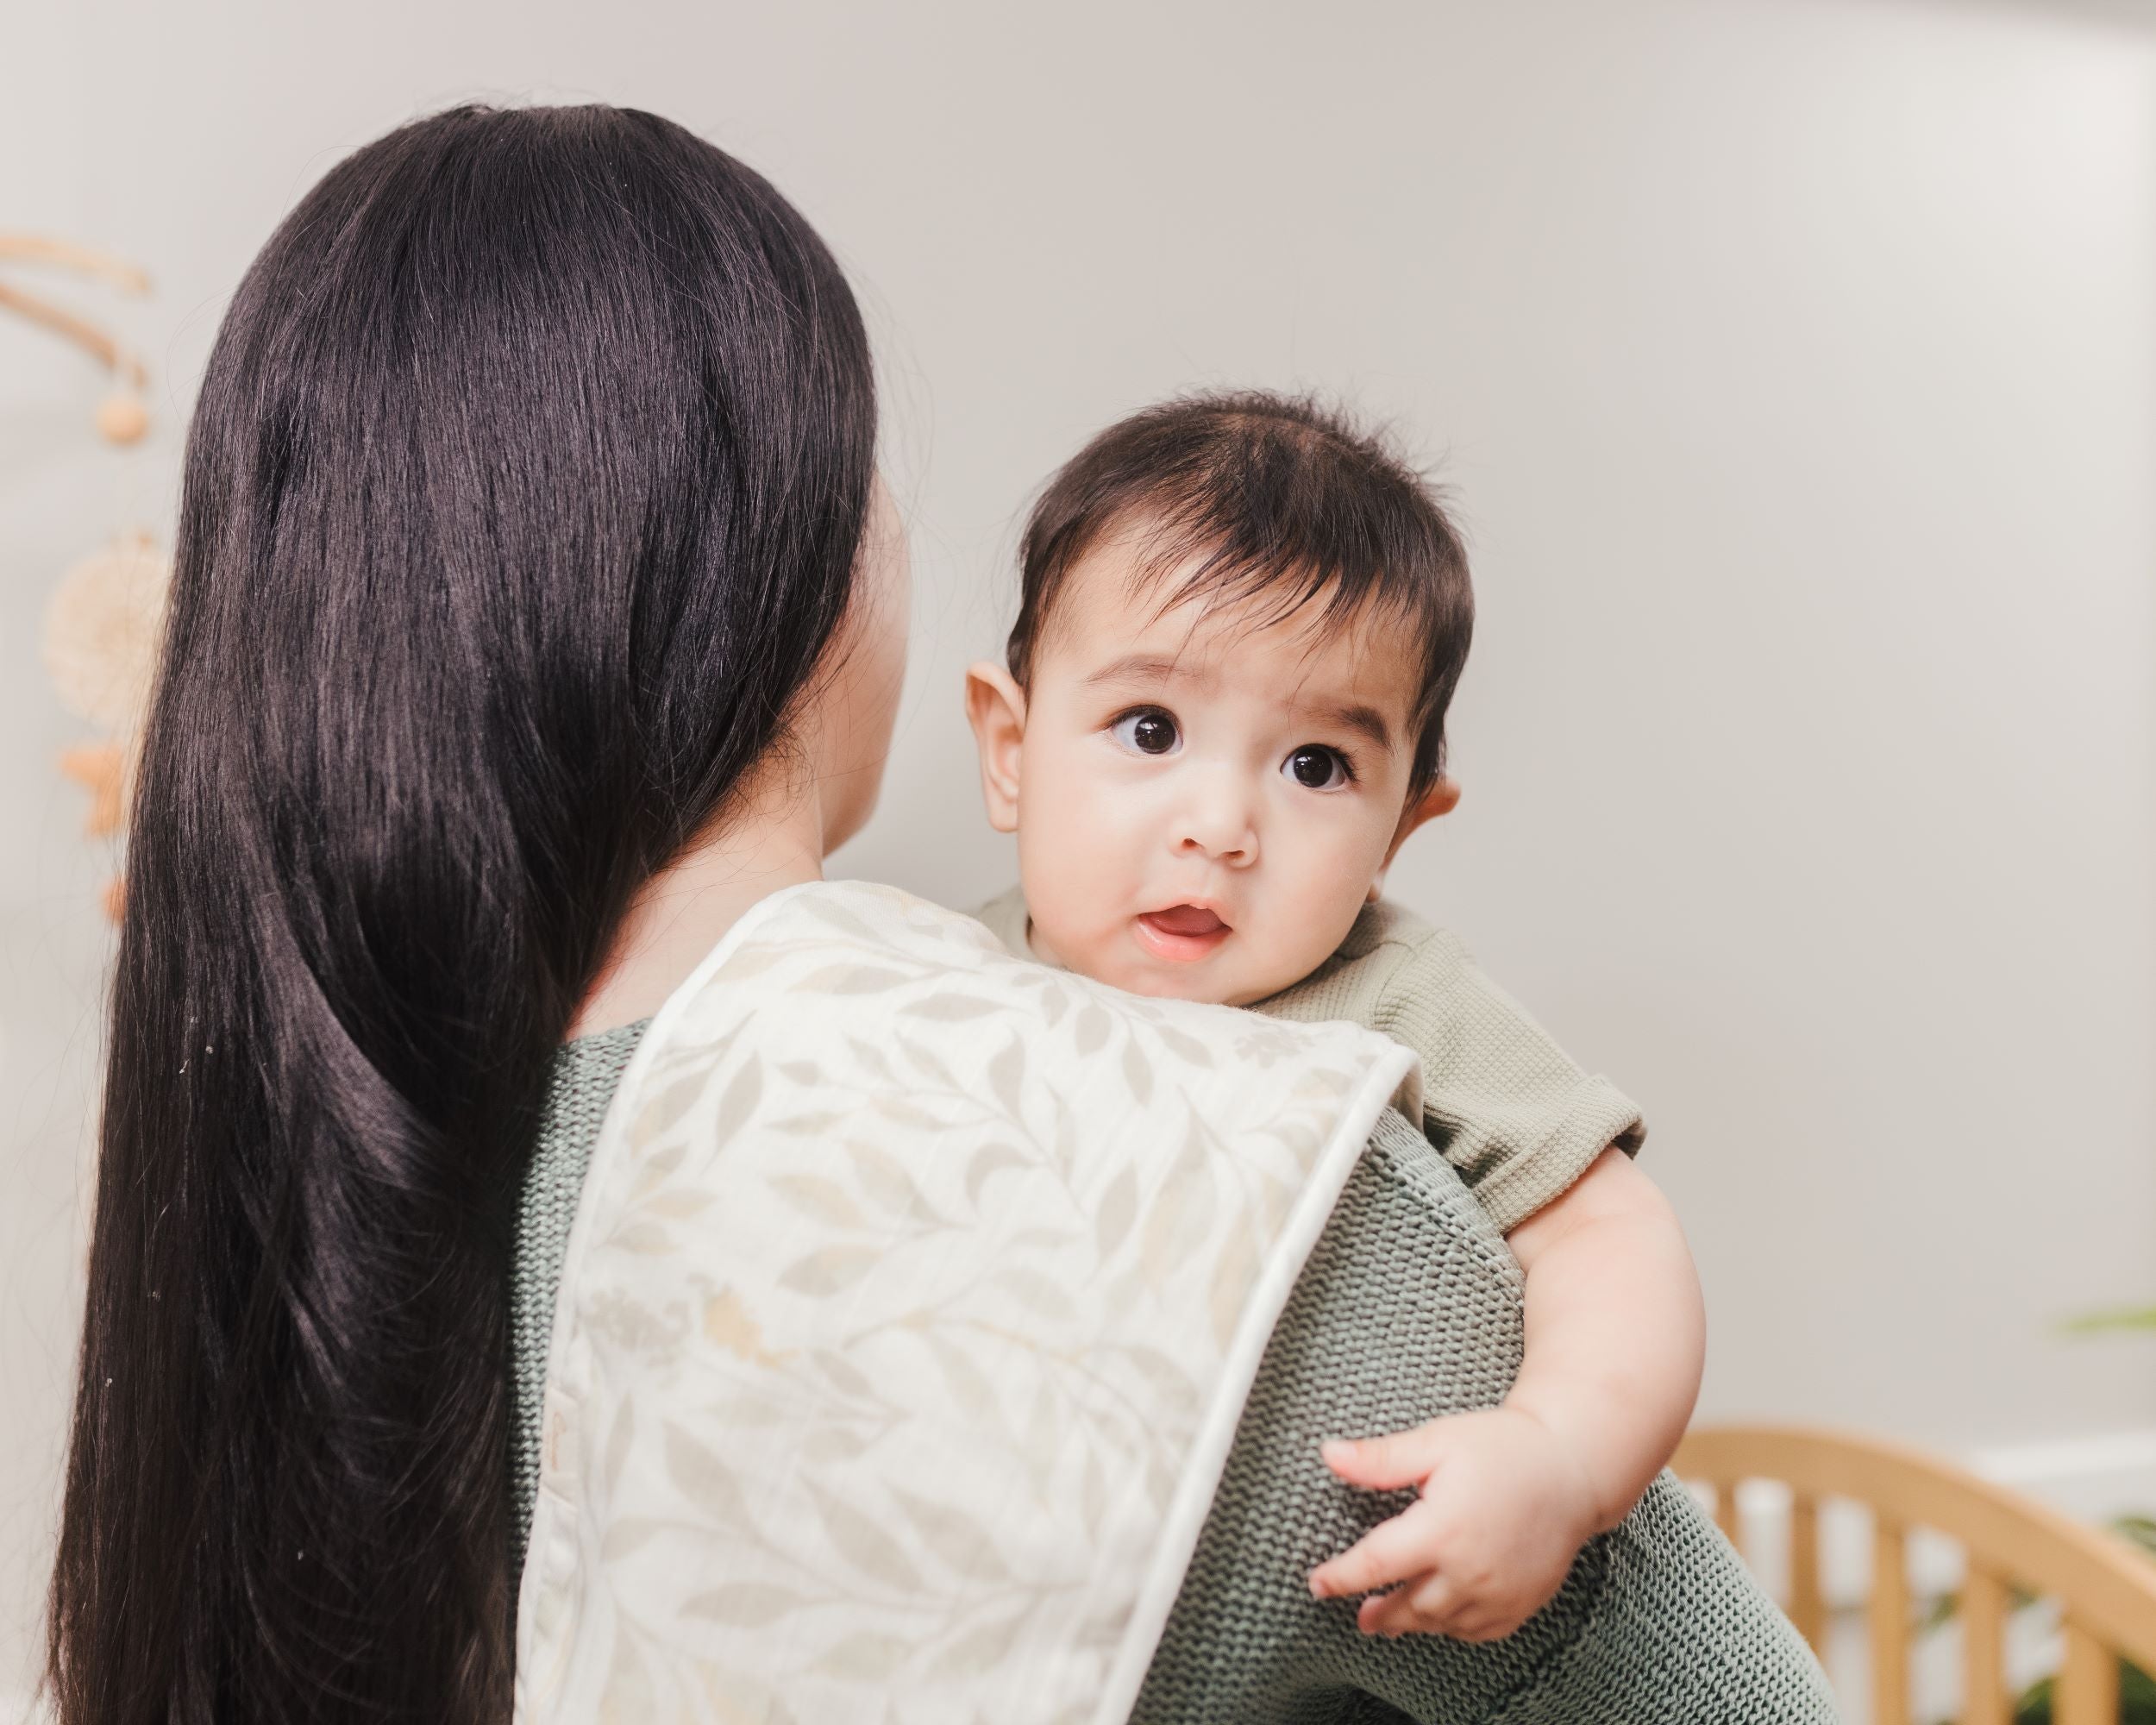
(1615, 1340)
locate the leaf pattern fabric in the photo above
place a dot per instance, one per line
(912, 1297)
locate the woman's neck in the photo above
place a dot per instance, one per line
(684, 910)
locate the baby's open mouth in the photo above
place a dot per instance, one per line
(1181, 931)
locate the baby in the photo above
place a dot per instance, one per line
(1222, 714)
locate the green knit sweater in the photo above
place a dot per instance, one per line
(1409, 1307)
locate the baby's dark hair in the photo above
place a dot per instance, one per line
(1275, 493)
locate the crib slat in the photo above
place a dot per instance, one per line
(1984, 1700)
(1808, 1605)
(2088, 1681)
(1889, 1625)
(1726, 1515)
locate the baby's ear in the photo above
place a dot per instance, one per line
(1441, 799)
(996, 706)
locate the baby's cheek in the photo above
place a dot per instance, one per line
(1316, 900)
(1064, 914)
(1069, 866)
(1278, 952)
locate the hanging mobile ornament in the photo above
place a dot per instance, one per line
(123, 415)
(103, 623)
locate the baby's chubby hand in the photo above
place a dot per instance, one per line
(1505, 1506)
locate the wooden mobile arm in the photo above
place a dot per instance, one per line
(126, 277)
(122, 419)
(31, 249)
(79, 330)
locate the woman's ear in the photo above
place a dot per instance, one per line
(1441, 799)
(996, 706)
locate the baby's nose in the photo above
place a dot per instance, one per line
(1217, 826)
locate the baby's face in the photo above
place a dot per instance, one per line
(1203, 803)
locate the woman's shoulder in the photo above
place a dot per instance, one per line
(869, 1186)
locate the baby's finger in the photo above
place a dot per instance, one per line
(1390, 1552)
(1422, 1606)
(1384, 1463)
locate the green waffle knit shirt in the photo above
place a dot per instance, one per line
(1408, 1308)
(1501, 1100)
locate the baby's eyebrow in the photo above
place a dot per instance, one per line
(1146, 668)
(1355, 716)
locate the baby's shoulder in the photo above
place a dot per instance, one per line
(1391, 942)
(1390, 953)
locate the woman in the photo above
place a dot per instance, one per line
(536, 616)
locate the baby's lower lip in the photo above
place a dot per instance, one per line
(1176, 946)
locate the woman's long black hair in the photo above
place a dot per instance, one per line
(520, 501)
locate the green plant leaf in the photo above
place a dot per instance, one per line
(2104, 1323)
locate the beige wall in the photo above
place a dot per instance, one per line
(1793, 363)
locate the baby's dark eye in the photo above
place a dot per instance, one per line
(1316, 768)
(1147, 730)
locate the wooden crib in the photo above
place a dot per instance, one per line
(2106, 1590)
